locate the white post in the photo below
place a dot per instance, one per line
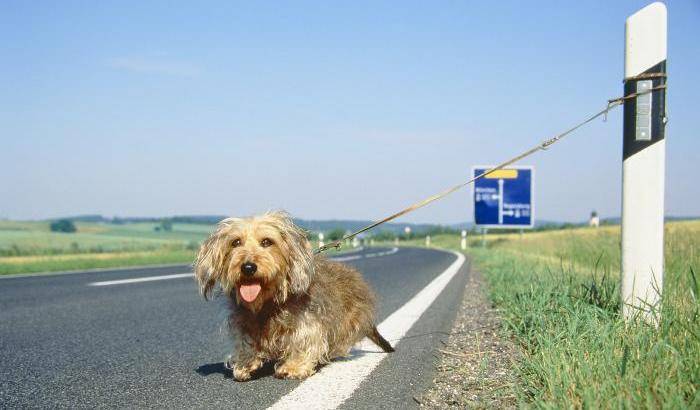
(320, 239)
(427, 241)
(463, 243)
(371, 242)
(355, 242)
(643, 166)
(396, 241)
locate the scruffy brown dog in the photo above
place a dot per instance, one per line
(287, 305)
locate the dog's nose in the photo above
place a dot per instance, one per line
(249, 268)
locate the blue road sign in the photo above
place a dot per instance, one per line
(504, 198)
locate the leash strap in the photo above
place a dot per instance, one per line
(539, 147)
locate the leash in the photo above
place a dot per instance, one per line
(542, 146)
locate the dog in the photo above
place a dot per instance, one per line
(287, 305)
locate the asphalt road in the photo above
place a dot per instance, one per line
(65, 343)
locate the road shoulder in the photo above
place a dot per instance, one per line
(474, 367)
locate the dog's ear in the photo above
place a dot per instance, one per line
(300, 254)
(208, 266)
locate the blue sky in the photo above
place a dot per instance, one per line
(326, 109)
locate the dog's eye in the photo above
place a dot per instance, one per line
(266, 242)
(236, 243)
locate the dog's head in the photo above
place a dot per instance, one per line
(256, 259)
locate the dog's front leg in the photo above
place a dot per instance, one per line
(245, 361)
(304, 350)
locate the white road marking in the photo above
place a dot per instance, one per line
(389, 252)
(369, 255)
(346, 258)
(354, 250)
(337, 381)
(83, 271)
(143, 279)
(184, 275)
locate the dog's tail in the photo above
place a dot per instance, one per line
(379, 340)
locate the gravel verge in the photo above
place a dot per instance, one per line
(475, 366)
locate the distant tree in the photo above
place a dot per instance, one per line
(438, 230)
(335, 234)
(384, 236)
(407, 236)
(118, 221)
(63, 225)
(166, 225)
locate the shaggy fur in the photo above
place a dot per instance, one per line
(304, 310)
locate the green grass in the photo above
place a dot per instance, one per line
(180, 232)
(28, 243)
(30, 246)
(27, 247)
(559, 297)
(68, 262)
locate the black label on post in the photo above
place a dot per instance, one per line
(631, 143)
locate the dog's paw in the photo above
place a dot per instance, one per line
(297, 371)
(243, 372)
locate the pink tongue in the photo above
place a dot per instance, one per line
(249, 291)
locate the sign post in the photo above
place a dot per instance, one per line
(504, 198)
(643, 166)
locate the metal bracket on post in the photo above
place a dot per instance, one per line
(643, 166)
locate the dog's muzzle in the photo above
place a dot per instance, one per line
(249, 268)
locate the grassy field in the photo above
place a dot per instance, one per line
(558, 292)
(31, 247)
